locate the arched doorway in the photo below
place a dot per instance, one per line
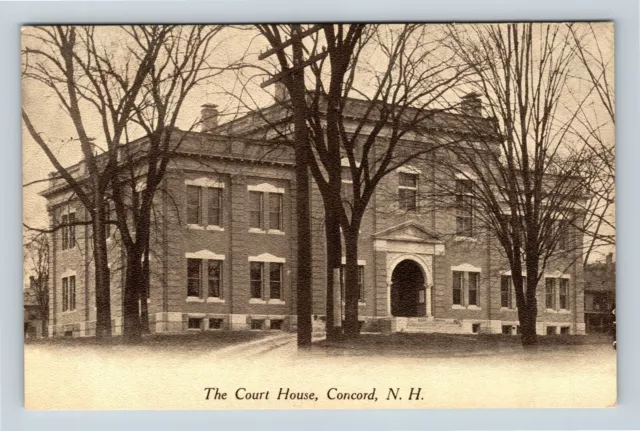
(408, 290)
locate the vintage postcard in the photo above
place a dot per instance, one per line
(334, 216)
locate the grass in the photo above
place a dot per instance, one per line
(448, 344)
(186, 341)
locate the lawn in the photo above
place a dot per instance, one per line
(401, 344)
(183, 341)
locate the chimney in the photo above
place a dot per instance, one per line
(471, 105)
(209, 117)
(282, 94)
(610, 258)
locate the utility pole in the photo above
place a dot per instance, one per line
(293, 79)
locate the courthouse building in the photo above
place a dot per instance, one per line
(224, 243)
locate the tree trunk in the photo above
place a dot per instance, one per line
(102, 276)
(334, 261)
(352, 293)
(528, 309)
(45, 328)
(144, 307)
(527, 318)
(132, 330)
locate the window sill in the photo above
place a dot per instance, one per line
(508, 309)
(462, 307)
(266, 302)
(69, 312)
(256, 230)
(194, 299)
(276, 302)
(213, 299)
(465, 239)
(275, 232)
(560, 310)
(215, 228)
(195, 227)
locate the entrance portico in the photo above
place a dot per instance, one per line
(409, 249)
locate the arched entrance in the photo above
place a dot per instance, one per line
(408, 290)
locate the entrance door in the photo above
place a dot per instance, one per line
(408, 290)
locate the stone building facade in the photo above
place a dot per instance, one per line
(224, 245)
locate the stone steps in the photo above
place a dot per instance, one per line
(424, 325)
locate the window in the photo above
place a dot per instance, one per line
(255, 210)
(69, 293)
(458, 281)
(214, 210)
(72, 230)
(193, 277)
(68, 230)
(506, 292)
(551, 330)
(473, 288)
(65, 232)
(276, 324)
(464, 208)
(275, 280)
(466, 285)
(475, 328)
(550, 293)
(215, 323)
(275, 211)
(560, 300)
(257, 324)
(214, 278)
(255, 278)
(194, 323)
(408, 191)
(506, 329)
(563, 235)
(194, 200)
(563, 294)
(564, 330)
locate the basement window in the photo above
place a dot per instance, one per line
(193, 323)
(551, 330)
(215, 323)
(564, 330)
(276, 325)
(257, 324)
(475, 328)
(506, 329)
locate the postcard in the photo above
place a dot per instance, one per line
(319, 216)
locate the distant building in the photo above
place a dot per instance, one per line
(224, 244)
(32, 318)
(599, 295)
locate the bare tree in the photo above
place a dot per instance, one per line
(181, 64)
(357, 129)
(71, 63)
(595, 130)
(134, 80)
(525, 189)
(37, 257)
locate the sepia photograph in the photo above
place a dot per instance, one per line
(319, 216)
